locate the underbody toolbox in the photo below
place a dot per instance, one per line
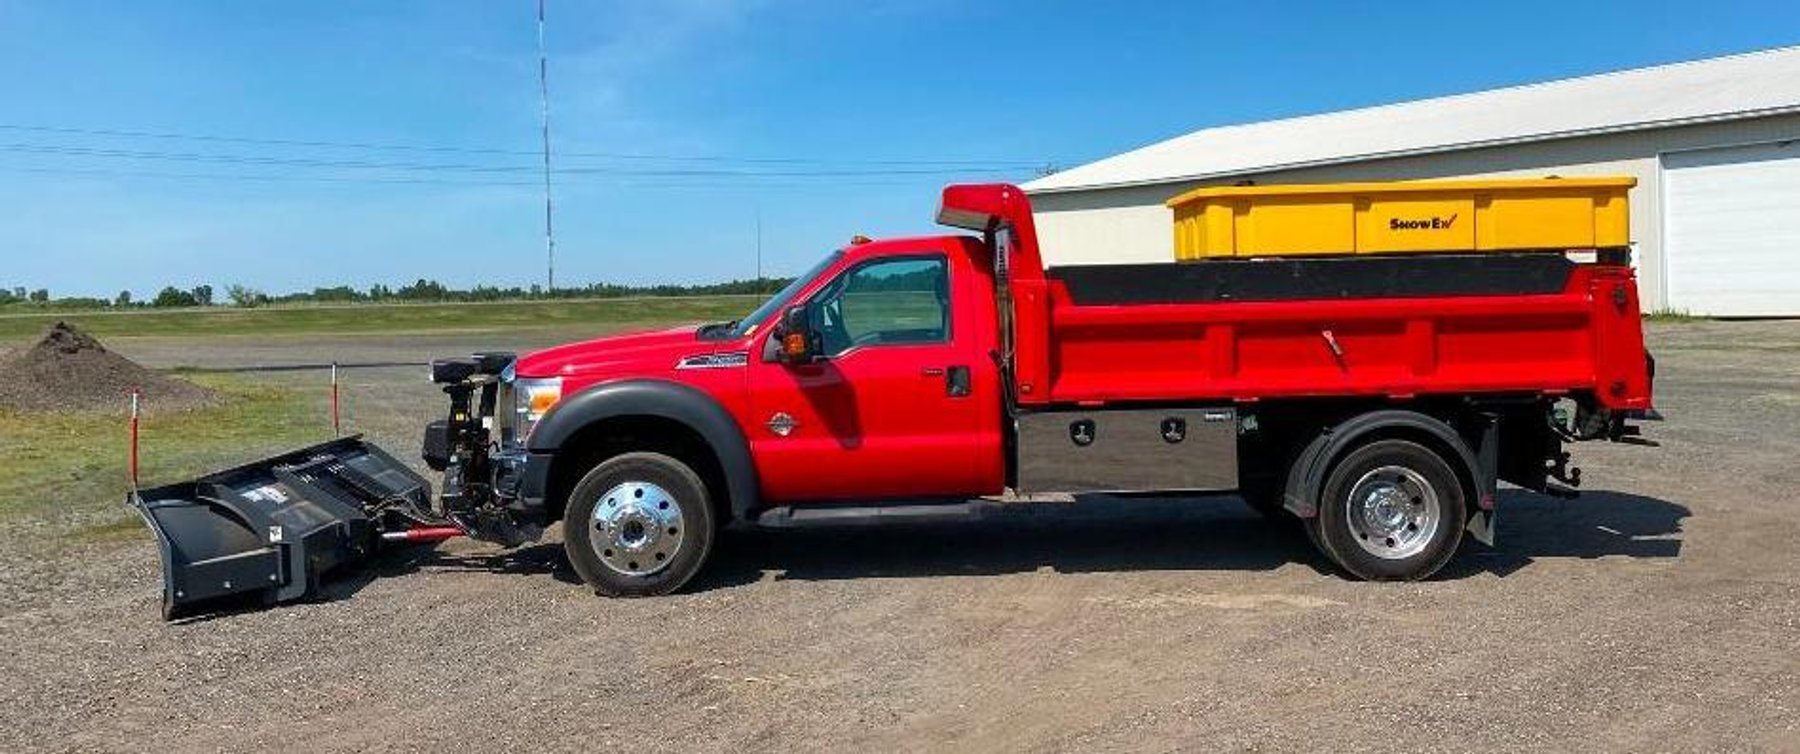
(1174, 449)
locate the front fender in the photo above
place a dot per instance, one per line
(658, 398)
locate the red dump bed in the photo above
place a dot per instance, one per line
(1544, 322)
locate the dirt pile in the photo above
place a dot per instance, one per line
(67, 369)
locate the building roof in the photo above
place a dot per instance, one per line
(1715, 89)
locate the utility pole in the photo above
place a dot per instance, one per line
(759, 272)
(544, 100)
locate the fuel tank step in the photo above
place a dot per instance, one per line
(789, 517)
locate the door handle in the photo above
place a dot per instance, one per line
(956, 379)
(956, 385)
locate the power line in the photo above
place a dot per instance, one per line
(251, 177)
(757, 183)
(379, 146)
(64, 150)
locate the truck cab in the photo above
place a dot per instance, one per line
(897, 395)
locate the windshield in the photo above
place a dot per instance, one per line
(780, 300)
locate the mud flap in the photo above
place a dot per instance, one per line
(1482, 524)
(270, 530)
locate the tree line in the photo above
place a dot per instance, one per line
(419, 291)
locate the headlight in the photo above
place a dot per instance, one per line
(532, 397)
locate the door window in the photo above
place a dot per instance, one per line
(893, 301)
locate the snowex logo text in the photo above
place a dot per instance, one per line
(1428, 223)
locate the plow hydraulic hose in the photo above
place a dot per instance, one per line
(422, 534)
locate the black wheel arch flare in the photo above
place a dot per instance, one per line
(1306, 478)
(662, 399)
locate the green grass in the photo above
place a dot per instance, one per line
(1672, 315)
(392, 319)
(892, 310)
(66, 472)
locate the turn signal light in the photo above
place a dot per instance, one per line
(794, 345)
(542, 400)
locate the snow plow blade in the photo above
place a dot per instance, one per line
(268, 531)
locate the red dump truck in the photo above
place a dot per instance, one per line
(1377, 398)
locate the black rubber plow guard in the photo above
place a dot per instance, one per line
(268, 531)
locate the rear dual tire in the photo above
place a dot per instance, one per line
(1390, 510)
(638, 525)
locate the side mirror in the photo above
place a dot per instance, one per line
(794, 341)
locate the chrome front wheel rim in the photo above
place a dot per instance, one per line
(1393, 512)
(636, 528)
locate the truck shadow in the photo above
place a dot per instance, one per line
(1597, 524)
(1098, 534)
(1103, 534)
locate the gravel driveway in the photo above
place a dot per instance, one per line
(1661, 611)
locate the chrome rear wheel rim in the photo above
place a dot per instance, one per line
(1393, 512)
(636, 528)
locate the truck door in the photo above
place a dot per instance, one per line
(903, 404)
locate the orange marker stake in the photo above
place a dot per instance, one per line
(132, 462)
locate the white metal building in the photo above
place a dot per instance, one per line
(1714, 144)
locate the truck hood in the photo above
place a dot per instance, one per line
(652, 352)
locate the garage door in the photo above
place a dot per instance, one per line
(1731, 230)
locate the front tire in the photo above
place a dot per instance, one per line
(1391, 510)
(638, 525)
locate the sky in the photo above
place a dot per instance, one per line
(288, 145)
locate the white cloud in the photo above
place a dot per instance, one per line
(603, 65)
